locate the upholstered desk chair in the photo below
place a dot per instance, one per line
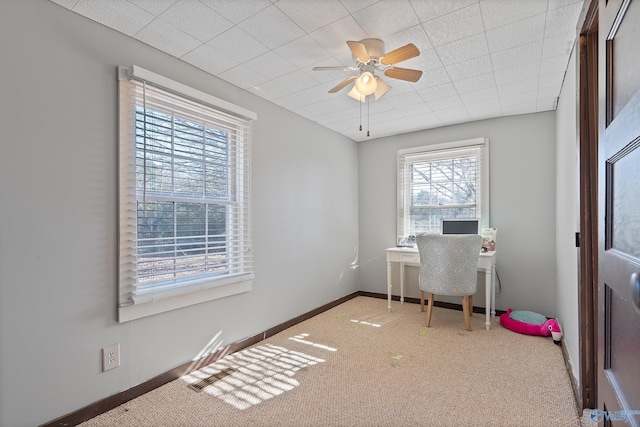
(449, 266)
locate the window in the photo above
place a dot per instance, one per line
(184, 196)
(448, 180)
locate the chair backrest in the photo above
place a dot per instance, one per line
(449, 263)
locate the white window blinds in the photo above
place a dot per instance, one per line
(442, 181)
(185, 220)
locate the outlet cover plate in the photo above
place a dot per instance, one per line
(110, 357)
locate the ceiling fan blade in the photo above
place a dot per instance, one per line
(403, 74)
(382, 88)
(342, 84)
(335, 68)
(400, 54)
(359, 51)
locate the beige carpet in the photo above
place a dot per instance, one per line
(358, 365)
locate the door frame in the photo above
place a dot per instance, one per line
(588, 238)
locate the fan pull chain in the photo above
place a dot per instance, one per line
(360, 107)
(368, 134)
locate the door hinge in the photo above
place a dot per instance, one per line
(577, 239)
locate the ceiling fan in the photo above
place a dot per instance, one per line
(370, 58)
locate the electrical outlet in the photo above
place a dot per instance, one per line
(110, 357)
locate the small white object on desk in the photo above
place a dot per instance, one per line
(410, 256)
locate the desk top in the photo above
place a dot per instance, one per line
(404, 249)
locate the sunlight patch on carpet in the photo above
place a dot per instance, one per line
(251, 376)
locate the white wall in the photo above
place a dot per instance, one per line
(58, 218)
(567, 213)
(523, 199)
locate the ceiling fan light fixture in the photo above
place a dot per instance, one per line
(356, 95)
(366, 84)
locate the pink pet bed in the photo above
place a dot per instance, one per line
(530, 323)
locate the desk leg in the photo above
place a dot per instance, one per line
(488, 285)
(401, 282)
(493, 290)
(389, 286)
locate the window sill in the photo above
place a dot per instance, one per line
(157, 306)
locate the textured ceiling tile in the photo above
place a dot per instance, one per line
(66, 3)
(226, 45)
(497, 13)
(436, 77)
(522, 72)
(462, 50)
(292, 102)
(562, 21)
(334, 36)
(208, 59)
(311, 111)
(479, 95)
(271, 27)
(383, 117)
(554, 64)
(415, 35)
(455, 26)
(554, 4)
(122, 16)
(283, 72)
(453, 115)
(520, 103)
(236, 11)
(296, 81)
(428, 60)
(515, 88)
(269, 90)
(154, 7)
(399, 101)
(556, 46)
(516, 34)
(516, 56)
(470, 68)
(303, 52)
(312, 15)
(438, 92)
(271, 65)
(431, 9)
(484, 109)
(337, 103)
(444, 103)
(243, 77)
(196, 19)
(483, 81)
(167, 38)
(383, 18)
(414, 110)
(552, 80)
(356, 5)
(427, 120)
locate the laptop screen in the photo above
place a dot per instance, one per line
(460, 226)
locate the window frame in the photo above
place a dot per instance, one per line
(406, 157)
(137, 300)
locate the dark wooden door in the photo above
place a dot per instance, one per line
(619, 214)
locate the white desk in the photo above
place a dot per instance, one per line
(410, 256)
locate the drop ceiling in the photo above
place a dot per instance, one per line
(480, 58)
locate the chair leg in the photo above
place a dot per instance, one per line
(429, 309)
(422, 301)
(465, 310)
(470, 305)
